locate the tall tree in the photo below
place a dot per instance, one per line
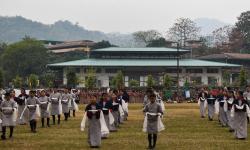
(150, 81)
(167, 81)
(1, 78)
(221, 36)
(71, 78)
(18, 82)
(48, 79)
(243, 25)
(134, 83)
(243, 78)
(226, 77)
(236, 40)
(90, 81)
(3, 46)
(184, 29)
(119, 80)
(24, 58)
(33, 81)
(145, 37)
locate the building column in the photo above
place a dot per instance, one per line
(126, 81)
(65, 76)
(220, 77)
(204, 77)
(231, 78)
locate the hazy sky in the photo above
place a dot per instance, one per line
(123, 15)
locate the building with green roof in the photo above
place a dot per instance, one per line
(138, 63)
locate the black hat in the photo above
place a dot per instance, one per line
(7, 93)
(32, 91)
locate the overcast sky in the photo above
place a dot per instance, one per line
(123, 15)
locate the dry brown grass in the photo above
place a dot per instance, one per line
(184, 130)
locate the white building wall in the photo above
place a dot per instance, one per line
(104, 77)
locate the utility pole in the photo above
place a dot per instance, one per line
(178, 68)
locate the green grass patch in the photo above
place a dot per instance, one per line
(184, 130)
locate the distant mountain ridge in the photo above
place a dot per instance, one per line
(13, 29)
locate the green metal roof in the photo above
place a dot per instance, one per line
(144, 49)
(142, 63)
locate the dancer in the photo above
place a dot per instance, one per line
(153, 112)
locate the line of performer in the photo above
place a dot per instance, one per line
(105, 115)
(232, 107)
(28, 108)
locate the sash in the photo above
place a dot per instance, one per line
(121, 111)
(217, 106)
(240, 107)
(14, 115)
(160, 125)
(49, 108)
(204, 100)
(104, 128)
(75, 105)
(60, 107)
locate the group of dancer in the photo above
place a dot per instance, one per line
(231, 105)
(28, 108)
(104, 115)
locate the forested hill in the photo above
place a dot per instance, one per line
(13, 29)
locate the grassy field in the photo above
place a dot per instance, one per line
(184, 130)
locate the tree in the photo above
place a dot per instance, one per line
(90, 81)
(113, 82)
(33, 81)
(243, 78)
(1, 78)
(48, 80)
(24, 58)
(145, 37)
(221, 36)
(243, 26)
(18, 82)
(69, 56)
(119, 80)
(134, 83)
(226, 78)
(71, 78)
(150, 81)
(102, 44)
(167, 81)
(184, 29)
(236, 40)
(160, 42)
(186, 84)
(3, 46)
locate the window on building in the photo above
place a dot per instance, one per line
(137, 78)
(98, 70)
(196, 70)
(173, 70)
(78, 70)
(212, 70)
(111, 70)
(143, 81)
